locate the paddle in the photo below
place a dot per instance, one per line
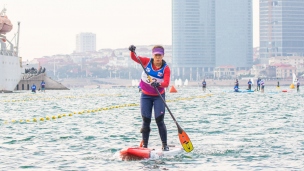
(208, 90)
(183, 137)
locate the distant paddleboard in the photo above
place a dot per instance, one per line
(139, 153)
(272, 92)
(242, 91)
(247, 91)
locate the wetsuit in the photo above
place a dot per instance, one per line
(249, 85)
(150, 98)
(42, 86)
(262, 84)
(298, 86)
(236, 87)
(33, 88)
(258, 84)
(204, 85)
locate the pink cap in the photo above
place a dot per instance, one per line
(159, 51)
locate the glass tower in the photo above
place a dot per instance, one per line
(233, 37)
(281, 28)
(210, 33)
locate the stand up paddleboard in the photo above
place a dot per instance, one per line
(241, 91)
(139, 153)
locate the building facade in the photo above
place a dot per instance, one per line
(225, 72)
(294, 61)
(281, 28)
(285, 71)
(210, 33)
(85, 42)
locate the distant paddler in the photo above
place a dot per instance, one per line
(278, 85)
(258, 84)
(298, 85)
(139, 88)
(33, 88)
(42, 86)
(249, 84)
(204, 84)
(236, 86)
(262, 86)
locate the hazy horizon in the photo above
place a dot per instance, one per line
(50, 27)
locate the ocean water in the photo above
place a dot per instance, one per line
(84, 129)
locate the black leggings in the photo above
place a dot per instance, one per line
(145, 130)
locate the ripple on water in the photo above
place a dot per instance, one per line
(229, 131)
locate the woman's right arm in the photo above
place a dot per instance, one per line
(144, 60)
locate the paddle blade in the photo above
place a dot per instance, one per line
(184, 139)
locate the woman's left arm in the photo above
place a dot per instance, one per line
(166, 81)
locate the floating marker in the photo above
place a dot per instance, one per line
(173, 90)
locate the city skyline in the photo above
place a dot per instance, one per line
(49, 27)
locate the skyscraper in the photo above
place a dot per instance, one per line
(281, 28)
(86, 42)
(210, 33)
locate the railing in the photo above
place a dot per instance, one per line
(29, 73)
(7, 53)
(7, 47)
(20, 61)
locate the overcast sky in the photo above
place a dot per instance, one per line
(49, 27)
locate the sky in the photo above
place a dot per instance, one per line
(49, 27)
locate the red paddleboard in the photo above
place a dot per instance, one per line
(139, 153)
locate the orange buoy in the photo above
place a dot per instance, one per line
(284, 90)
(173, 90)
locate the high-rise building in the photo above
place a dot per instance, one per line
(281, 28)
(86, 42)
(210, 33)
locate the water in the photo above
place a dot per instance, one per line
(229, 131)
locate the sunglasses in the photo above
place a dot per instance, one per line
(158, 55)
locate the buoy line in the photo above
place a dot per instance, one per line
(54, 117)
